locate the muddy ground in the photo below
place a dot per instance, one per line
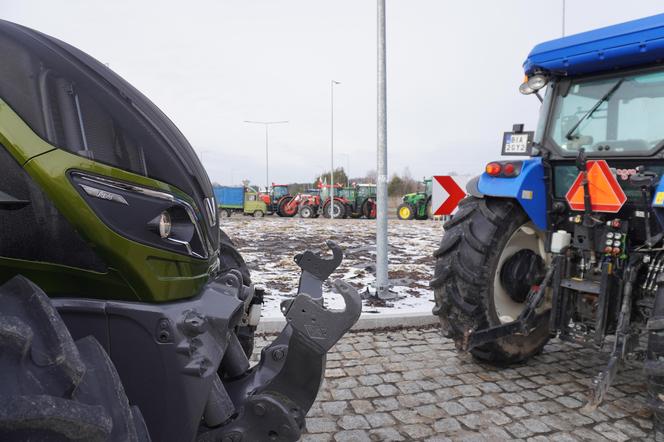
(269, 244)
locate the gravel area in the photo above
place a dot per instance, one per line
(269, 244)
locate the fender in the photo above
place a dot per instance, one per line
(527, 188)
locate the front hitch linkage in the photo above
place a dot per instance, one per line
(273, 397)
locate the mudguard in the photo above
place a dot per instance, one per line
(527, 188)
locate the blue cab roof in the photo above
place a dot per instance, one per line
(629, 44)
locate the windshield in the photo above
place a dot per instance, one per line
(428, 186)
(280, 191)
(615, 115)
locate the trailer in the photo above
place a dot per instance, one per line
(239, 199)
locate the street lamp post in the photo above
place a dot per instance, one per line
(332, 83)
(267, 161)
(382, 281)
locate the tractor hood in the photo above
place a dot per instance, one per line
(158, 149)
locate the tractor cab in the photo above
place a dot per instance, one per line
(563, 237)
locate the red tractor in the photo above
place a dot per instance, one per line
(338, 208)
(310, 204)
(278, 199)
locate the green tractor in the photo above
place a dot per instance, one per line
(361, 200)
(126, 313)
(416, 205)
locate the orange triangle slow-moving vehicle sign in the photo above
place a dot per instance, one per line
(606, 195)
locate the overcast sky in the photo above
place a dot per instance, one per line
(453, 72)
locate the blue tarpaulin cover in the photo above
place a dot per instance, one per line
(228, 196)
(633, 43)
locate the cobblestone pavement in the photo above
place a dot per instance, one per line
(413, 385)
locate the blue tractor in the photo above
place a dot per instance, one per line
(563, 237)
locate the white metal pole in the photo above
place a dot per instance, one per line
(267, 161)
(332, 149)
(267, 168)
(332, 83)
(382, 283)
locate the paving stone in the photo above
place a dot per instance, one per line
(453, 408)
(408, 417)
(386, 390)
(341, 395)
(321, 425)
(353, 422)
(352, 436)
(365, 392)
(386, 434)
(377, 420)
(417, 431)
(336, 408)
(362, 406)
(446, 426)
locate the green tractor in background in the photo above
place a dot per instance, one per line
(416, 205)
(360, 200)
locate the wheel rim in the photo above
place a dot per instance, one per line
(524, 237)
(306, 212)
(336, 209)
(223, 214)
(404, 212)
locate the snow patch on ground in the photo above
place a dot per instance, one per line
(269, 244)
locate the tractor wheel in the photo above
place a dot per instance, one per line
(368, 208)
(338, 210)
(225, 213)
(306, 211)
(421, 211)
(259, 214)
(53, 388)
(285, 210)
(654, 364)
(489, 258)
(406, 211)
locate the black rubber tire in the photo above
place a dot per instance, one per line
(410, 207)
(306, 211)
(654, 364)
(367, 208)
(52, 388)
(281, 209)
(342, 210)
(417, 211)
(463, 279)
(229, 259)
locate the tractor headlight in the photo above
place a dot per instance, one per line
(145, 215)
(164, 225)
(537, 82)
(525, 89)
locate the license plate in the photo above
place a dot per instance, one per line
(517, 143)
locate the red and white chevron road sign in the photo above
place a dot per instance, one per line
(445, 195)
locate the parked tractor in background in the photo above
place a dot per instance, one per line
(569, 242)
(333, 207)
(310, 204)
(359, 200)
(277, 198)
(416, 205)
(239, 199)
(126, 313)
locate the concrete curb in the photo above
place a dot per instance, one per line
(367, 321)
